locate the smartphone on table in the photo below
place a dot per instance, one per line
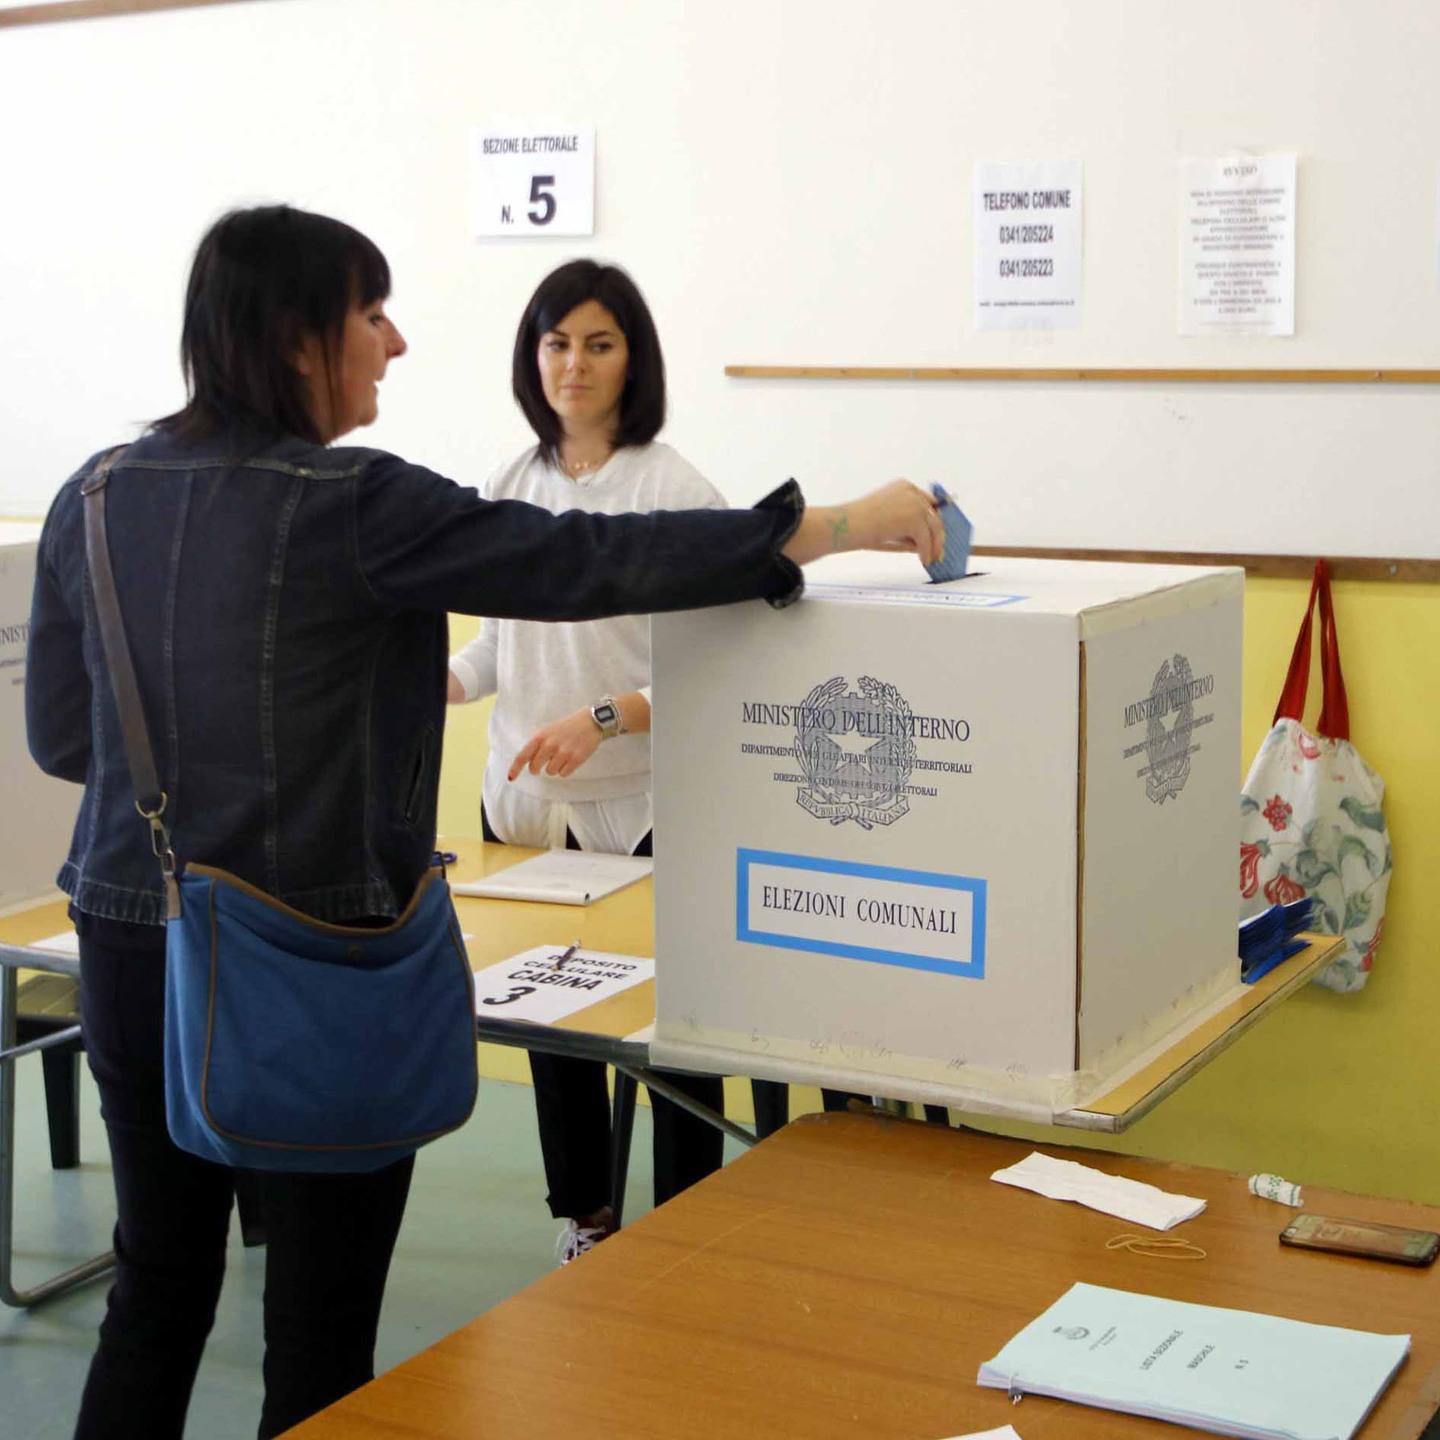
(1362, 1237)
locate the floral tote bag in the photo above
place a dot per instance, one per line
(1312, 818)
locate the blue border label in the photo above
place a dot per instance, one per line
(972, 969)
(934, 593)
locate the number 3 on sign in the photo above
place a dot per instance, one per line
(533, 178)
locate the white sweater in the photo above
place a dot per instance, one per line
(540, 671)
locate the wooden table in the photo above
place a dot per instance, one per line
(622, 923)
(614, 1031)
(1159, 1072)
(847, 1277)
(23, 926)
(617, 1031)
(625, 923)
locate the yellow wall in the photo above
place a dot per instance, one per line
(464, 760)
(1331, 1089)
(1339, 1090)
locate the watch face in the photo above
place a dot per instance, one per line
(605, 714)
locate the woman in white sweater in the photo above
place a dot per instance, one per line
(569, 759)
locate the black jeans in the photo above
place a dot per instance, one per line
(572, 1106)
(330, 1236)
(574, 1113)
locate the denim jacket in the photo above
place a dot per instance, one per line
(286, 607)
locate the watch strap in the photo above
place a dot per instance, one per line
(606, 715)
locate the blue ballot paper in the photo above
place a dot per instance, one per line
(955, 562)
(1230, 1372)
(1268, 939)
(1249, 974)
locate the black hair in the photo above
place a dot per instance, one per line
(263, 279)
(642, 401)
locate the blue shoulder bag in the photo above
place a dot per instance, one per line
(290, 1043)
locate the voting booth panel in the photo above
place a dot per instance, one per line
(1160, 748)
(40, 811)
(935, 841)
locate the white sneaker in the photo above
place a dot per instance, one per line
(574, 1240)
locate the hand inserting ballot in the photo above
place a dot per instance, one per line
(897, 516)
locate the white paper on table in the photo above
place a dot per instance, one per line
(1237, 245)
(561, 877)
(67, 942)
(535, 986)
(1028, 227)
(1113, 1194)
(1005, 1432)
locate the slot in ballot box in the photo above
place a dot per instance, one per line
(40, 811)
(972, 842)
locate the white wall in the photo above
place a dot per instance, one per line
(789, 182)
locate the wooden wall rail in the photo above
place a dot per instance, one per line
(1279, 567)
(1268, 567)
(1261, 376)
(91, 10)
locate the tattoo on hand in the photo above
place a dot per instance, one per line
(839, 529)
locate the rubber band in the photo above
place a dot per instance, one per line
(1152, 1248)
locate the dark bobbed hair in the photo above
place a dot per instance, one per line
(642, 401)
(263, 279)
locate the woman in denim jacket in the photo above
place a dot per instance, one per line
(286, 604)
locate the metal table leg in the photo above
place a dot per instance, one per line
(622, 1127)
(660, 1086)
(623, 1123)
(10, 1052)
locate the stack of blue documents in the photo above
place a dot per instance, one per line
(1230, 1372)
(1268, 939)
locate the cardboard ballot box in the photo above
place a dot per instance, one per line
(934, 841)
(40, 811)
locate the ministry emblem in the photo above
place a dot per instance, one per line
(1167, 750)
(856, 750)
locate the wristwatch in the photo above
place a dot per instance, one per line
(606, 715)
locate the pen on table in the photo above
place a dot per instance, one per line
(561, 959)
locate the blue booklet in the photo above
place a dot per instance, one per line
(1231, 1372)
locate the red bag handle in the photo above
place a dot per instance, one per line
(1335, 705)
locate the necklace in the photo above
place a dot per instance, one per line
(576, 468)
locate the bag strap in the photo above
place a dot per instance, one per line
(150, 799)
(1334, 706)
(1335, 703)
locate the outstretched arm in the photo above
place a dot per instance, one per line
(898, 516)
